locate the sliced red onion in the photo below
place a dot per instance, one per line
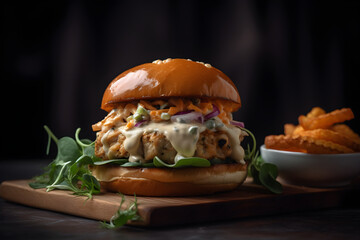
(188, 117)
(139, 123)
(238, 124)
(214, 113)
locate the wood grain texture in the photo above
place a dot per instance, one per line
(248, 200)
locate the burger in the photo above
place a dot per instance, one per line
(169, 131)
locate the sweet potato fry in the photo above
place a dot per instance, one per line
(315, 112)
(332, 136)
(318, 132)
(289, 128)
(304, 144)
(326, 120)
(346, 131)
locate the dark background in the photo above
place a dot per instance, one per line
(284, 56)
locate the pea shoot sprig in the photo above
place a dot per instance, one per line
(263, 173)
(122, 216)
(69, 170)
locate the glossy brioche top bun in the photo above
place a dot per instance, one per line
(171, 78)
(170, 182)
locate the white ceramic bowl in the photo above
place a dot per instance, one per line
(314, 170)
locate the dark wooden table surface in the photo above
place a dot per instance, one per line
(17, 221)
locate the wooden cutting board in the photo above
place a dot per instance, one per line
(247, 200)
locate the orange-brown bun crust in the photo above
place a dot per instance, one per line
(170, 182)
(146, 187)
(171, 78)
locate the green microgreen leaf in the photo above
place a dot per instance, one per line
(89, 151)
(111, 161)
(122, 216)
(123, 163)
(183, 162)
(89, 184)
(68, 150)
(267, 176)
(131, 164)
(87, 142)
(250, 154)
(59, 177)
(264, 174)
(51, 136)
(157, 162)
(38, 185)
(148, 165)
(69, 170)
(82, 143)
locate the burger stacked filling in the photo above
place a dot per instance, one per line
(170, 129)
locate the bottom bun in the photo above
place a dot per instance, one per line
(170, 182)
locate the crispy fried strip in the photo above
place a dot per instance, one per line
(289, 128)
(346, 131)
(326, 120)
(298, 129)
(315, 112)
(304, 144)
(332, 136)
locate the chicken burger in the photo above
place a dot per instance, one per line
(169, 131)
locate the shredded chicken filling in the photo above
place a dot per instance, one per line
(120, 136)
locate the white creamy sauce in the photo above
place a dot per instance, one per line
(234, 134)
(182, 136)
(132, 144)
(104, 141)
